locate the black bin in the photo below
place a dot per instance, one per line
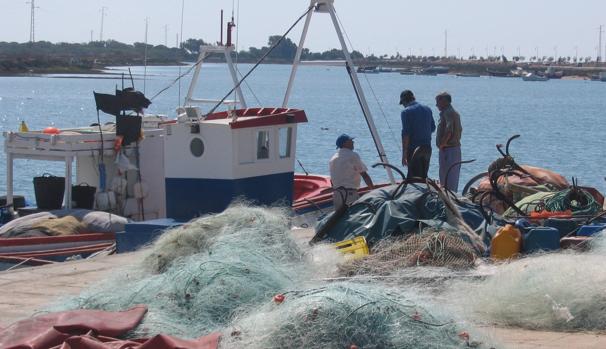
(49, 191)
(83, 196)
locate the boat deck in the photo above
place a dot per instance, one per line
(25, 292)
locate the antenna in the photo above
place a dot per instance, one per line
(221, 27)
(103, 8)
(32, 25)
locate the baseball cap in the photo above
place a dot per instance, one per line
(406, 95)
(342, 139)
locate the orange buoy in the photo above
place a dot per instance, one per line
(51, 130)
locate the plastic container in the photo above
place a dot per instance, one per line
(83, 196)
(49, 191)
(579, 243)
(354, 248)
(542, 239)
(507, 243)
(589, 230)
(565, 226)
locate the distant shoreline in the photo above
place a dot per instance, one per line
(455, 67)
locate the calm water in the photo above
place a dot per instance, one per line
(562, 123)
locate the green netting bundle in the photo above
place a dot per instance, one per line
(344, 315)
(222, 272)
(195, 277)
(552, 291)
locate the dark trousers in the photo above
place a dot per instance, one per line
(418, 162)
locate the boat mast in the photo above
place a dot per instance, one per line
(226, 50)
(327, 6)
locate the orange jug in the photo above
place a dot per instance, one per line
(506, 243)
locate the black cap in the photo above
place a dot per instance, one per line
(406, 96)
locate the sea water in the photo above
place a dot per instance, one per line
(561, 122)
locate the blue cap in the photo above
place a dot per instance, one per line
(342, 139)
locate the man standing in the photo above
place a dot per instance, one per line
(346, 169)
(417, 127)
(448, 140)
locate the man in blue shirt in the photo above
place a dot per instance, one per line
(417, 127)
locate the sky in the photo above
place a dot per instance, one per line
(549, 27)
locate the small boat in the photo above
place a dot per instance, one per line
(468, 75)
(534, 77)
(499, 73)
(434, 70)
(368, 70)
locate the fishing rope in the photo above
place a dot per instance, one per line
(394, 138)
(212, 110)
(178, 79)
(573, 199)
(249, 88)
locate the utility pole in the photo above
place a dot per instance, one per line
(103, 8)
(576, 54)
(182, 13)
(32, 23)
(166, 35)
(446, 44)
(91, 35)
(145, 55)
(600, 31)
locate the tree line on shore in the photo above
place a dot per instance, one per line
(45, 57)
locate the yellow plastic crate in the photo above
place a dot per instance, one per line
(354, 248)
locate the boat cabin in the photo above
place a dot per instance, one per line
(211, 161)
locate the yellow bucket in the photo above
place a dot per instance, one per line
(354, 248)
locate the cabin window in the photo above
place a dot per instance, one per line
(263, 145)
(196, 146)
(285, 138)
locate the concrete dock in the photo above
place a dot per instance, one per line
(25, 292)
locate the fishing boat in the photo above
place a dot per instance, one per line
(195, 164)
(534, 77)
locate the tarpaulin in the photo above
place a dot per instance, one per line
(91, 329)
(392, 211)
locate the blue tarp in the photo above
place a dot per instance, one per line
(392, 211)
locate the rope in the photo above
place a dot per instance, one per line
(579, 201)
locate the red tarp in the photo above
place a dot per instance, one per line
(91, 329)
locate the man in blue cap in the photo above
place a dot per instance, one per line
(417, 127)
(346, 169)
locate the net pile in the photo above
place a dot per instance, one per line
(222, 273)
(438, 248)
(557, 291)
(197, 276)
(344, 315)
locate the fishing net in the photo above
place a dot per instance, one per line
(432, 247)
(556, 291)
(222, 273)
(344, 315)
(196, 276)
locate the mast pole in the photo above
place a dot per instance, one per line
(358, 89)
(327, 6)
(297, 61)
